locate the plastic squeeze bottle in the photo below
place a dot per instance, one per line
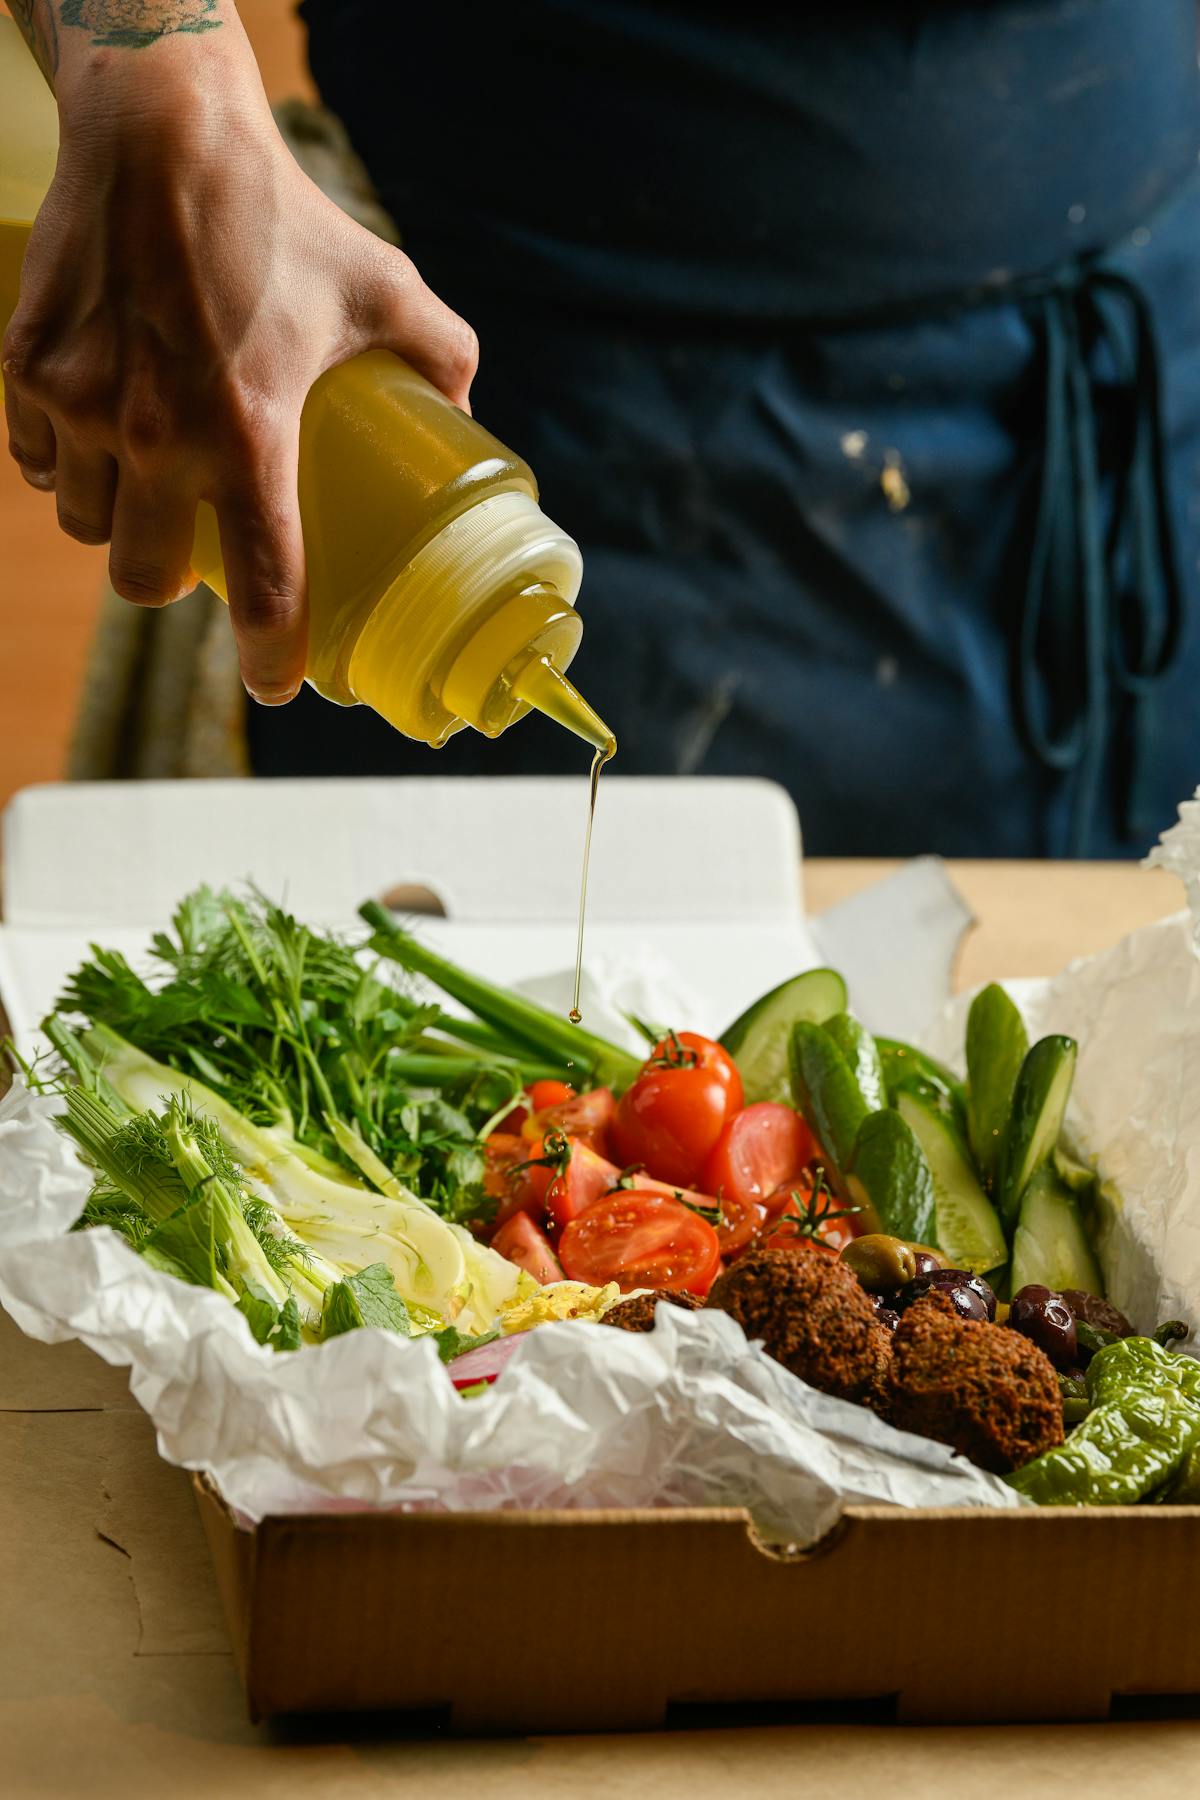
(440, 594)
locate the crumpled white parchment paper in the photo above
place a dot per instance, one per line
(581, 1416)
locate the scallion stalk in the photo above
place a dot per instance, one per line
(531, 1025)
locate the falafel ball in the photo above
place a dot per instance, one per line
(811, 1314)
(986, 1391)
(637, 1312)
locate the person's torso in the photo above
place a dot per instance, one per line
(758, 163)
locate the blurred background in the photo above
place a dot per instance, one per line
(50, 586)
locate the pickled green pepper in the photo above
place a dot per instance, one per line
(1144, 1420)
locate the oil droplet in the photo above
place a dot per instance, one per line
(604, 754)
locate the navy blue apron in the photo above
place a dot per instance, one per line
(863, 360)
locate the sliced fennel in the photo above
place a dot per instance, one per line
(336, 1218)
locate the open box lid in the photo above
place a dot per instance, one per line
(697, 878)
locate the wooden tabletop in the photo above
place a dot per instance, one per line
(115, 1672)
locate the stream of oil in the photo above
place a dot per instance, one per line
(603, 755)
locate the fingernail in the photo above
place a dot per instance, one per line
(272, 696)
(39, 478)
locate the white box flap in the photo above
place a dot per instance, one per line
(91, 855)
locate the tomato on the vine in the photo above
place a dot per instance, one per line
(797, 1212)
(688, 1050)
(641, 1240)
(675, 1111)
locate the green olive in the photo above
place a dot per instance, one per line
(881, 1263)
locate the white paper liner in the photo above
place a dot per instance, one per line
(581, 1416)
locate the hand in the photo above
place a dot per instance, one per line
(184, 286)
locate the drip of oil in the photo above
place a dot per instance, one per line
(545, 687)
(603, 755)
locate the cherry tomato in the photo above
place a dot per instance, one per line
(669, 1121)
(536, 1098)
(586, 1116)
(782, 1205)
(521, 1241)
(742, 1221)
(761, 1148)
(586, 1177)
(543, 1094)
(641, 1240)
(688, 1050)
(515, 1176)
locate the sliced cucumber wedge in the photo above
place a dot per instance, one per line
(758, 1041)
(1031, 1137)
(826, 1092)
(904, 1063)
(966, 1226)
(889, 1180)
(1051, 1245)
(858, 1047)
(997, 1045)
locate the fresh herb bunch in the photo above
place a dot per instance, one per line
(291, 1027)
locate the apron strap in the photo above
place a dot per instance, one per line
(1102, 611)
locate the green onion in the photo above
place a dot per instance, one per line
(530, 1025)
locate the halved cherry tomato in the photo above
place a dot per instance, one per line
(760, 1148)
(641, 1240)
(586, 1116)
(688, 1050)
(520, 1240)
(514, 1176)
(742, 1221)
(586, 1177)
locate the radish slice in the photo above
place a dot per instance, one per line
(483, 1364)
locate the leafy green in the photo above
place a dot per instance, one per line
(368, 1298)
(452, 1342)
(294, 1030)
(278, 1326)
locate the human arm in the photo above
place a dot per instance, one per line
(184, 286)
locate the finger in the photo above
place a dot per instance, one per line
(405, 316)
(262, 547)
(152, 532)
(30, 436)
(84, 486)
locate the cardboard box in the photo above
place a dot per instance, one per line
(604, 1620)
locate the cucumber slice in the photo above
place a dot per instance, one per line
(858, 1047)
(1031, 1137)
(889, 1179)
(997, 1045)
(828, 1095)
(1051, 1245)
(903, 1063)
(758, 1041)
(966, 1226)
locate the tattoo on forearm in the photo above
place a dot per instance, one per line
(133, 24)
(34, 19)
